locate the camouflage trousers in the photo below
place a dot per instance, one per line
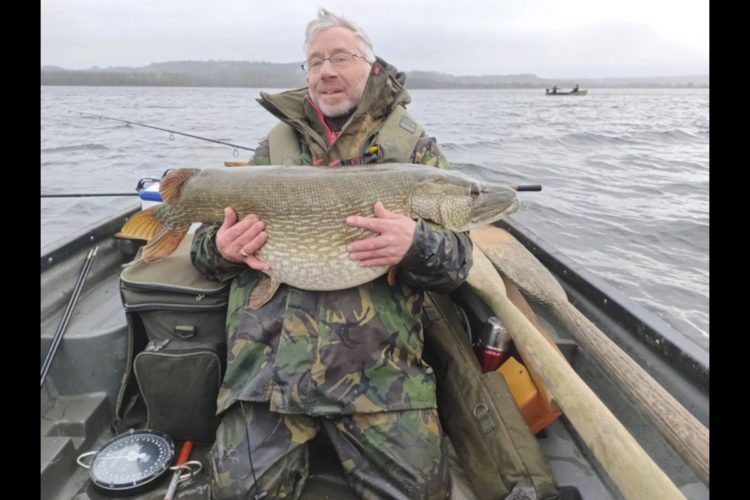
(394, 455)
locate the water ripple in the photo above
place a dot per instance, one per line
(74, 147)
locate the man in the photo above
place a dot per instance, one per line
(347, 361)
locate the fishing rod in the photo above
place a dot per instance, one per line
(171, 132)
(142, 184)
(80, 195)
(523, 187)
(532, 187)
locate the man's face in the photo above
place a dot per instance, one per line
(336, 91)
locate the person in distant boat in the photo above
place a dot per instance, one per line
(346, 362)
(575, 89)
(554, 89)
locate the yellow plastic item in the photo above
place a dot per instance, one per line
(537, 414)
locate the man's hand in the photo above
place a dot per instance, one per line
(389, 247)
(238, 241)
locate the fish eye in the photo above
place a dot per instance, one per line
(475, 190)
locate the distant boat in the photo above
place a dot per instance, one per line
(572, 92)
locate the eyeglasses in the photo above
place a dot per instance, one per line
(340, 60)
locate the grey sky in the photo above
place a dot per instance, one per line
(550, 38)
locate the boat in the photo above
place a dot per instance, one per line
(572, 92)
(79, 396)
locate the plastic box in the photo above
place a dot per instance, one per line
(533, 408)
(150, 196)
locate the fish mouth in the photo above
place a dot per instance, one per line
(493, 205)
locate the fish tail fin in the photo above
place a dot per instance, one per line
(171, 184)
(142, 226)
(164, 243)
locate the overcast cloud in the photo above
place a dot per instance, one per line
(549, 38)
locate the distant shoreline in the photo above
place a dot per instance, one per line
(408, 86)
(243, 74)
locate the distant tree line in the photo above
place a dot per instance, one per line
(165, 79)
(289, 75)
(197, 75)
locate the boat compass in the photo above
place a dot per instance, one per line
(134, 460)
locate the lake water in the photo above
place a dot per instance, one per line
(625, 172)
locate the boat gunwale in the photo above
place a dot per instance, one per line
(676, 349)
(102, 229)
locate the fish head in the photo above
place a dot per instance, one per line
(460, 203)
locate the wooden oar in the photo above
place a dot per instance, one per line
(632, 470)
(517, 299)
(688, 437)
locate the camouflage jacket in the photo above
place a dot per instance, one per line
(357, 350)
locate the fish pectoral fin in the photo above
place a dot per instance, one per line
(163, 243)
(142, 226)
(171, 185)
(391, 277)
(263, 292)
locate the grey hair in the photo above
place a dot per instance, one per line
(328, 20)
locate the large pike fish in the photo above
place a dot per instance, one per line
(305, 208)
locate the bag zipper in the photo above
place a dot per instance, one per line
(161, 287)
(158, 306)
